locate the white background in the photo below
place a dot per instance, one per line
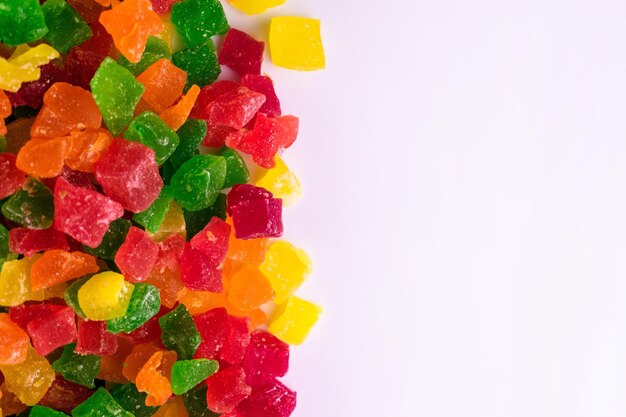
(464, 165)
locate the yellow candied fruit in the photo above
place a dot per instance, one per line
(293, 320)
(23, 65)
(286, 268)
(296, 43)
(29, 380)
(105, 296)
(174, 222)
(255, 6)
(281, 182)
(15, 282)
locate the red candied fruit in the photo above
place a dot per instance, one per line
(94, 339)
(129, 174)
(264, 85)
(268, 137)
(31, 93)
(12, 178)
(83, 214)
(266, 358)
(237, 340)
(213, 240)
(213, 327)
(226, 389)
(216, 134)
(198, 272)
(25, 313)
(162, 7)
(64, 395)
(83, 61)
(137, 255)
(255, 213)
(242, 53)
(52, 331)
(272, 400)
(234, 109)
(25, 241)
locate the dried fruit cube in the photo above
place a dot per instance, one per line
(187, 374)
(242, 53)
(150, 130)
(137, 255)
(56, 266)
(14, 342)
(94, 339)
(52, 331)
(286, 267)
(226, 389)
(105, 296)
(197, 183)
(21, 22)
(197, 20)
(200, 63)
(293, 320)
(296, 43)
(100, 404)
(30, 379)
(179, 332)
(143, 305)
(66, 27)
(31, 206)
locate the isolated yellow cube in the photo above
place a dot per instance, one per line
(255, 6)
(105, 296)
(293, 320)
(286, 268)
(281, 182)
(296, 43)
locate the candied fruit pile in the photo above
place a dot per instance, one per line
(142, 266)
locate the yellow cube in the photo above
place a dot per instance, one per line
(286, 268)
(293, 320)
(29, 380)
(281, 182)
(105, 296)
(255, 6)
(15, 282)
(296, 43)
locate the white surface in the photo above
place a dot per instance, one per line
(464, 165)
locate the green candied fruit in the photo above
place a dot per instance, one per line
(197, 183)
(236, 169)
(144, 304)
(112, 240)
(196, 220)
(197, 20)
(179, 332)
(116, 92)
(200, 63)
(31, 206)
(4, 242)
(41, 411)
(21, 21)
(3, 143)
(187, 374)
(71, 296)
(81, 369)
(191, 135)
(150, 130)
(66, 27)
(195, 403)
(155, 49)
(100, 404)
(152, 217)
(132, 400)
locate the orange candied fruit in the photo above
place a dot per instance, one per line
(130, 24)
(85, 148)
(249, 289)
(164, 83)
(151, 380)
(42, 158)
(13, 342)
(56, 266)
(176, 115)
(5, 111)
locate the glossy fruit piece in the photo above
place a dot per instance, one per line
(81, 369)
(29, 380)
(296, 43)
(197, 220)
(116, 93)
(137, 255)
(271, 400)
(155, 49)
(111, 366)
(236, 169)
(198, 302)
(31, 206)
(105, 296)
(66, 28)
(131, 38)
(163, 83)
(210, 93)
(57, 266)
(293, 320)
(249, 289)
(187, 374)
(214, 328)
(191, 134)
(150, 130)
(52, 331)
(281, 182)
(250, 252)
(86, 147)
(132, 400)
(83, 214)
(25, 313)
(12, 177)
(153, 382)
(173, 408)
(226, 389)
(197, 183)
(212, 240)
(152, 217)
(22, 22)
(41, 411)
(100, 404)
(266, 358)
(15, 282)
(149, 331)
(64, 395)
(29, 241)
(23, 65)
(31, 93)
(173, 223)
(14, 342)
(197, 20)
(255, 213)
(269, 137)
(166, 273)
(94, 339)
(242, 53)
(179, 332)
(143, 305)
(198, 272)
(30, 160)
(286, 267)
(234, 109)
(200, 63)
(129, 174)
(176, 115)
(112, 240)
(137, 358)
(253, 7)
(237, 340)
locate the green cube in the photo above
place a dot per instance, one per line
(112, 240)
(100, 404)
(197, 20)
(152, 217)
(144, 304)
(67, 28)
(81, 369)
(198, 182)
(150, 130)
(187, 374)
(200, 63)
(31, 206)
(132, 400)
(179, 332)
(41, 411)
(191, 135)
(21, 21)
(236, 169)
